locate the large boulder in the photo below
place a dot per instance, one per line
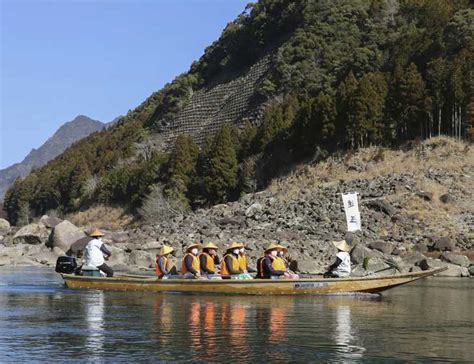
(31, 234)
(50, 221)
(253, 209)
(64, 234)
(443, 244)
(360, 252)
(4, 227)
(382, 246)
(375, 267)
(413, 258)
(118, 257)
(141, 258)
(455, 258)
(307, 266)
(452, 271)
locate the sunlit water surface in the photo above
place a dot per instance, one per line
(41, 320)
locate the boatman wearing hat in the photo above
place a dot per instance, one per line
(163, 265)
(342, 266)
(96, 253)
(190, 268)
(209, 260)
(230, 263)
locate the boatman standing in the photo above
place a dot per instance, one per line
(96, 253)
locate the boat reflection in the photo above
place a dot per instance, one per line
(94, 316)
(345, 335)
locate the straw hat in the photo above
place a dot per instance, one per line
(96, 233)
(210, 246)
(281, 247)
(165, 249)
(234, 245)
(272, 246)
(342, 245)
(194, 245)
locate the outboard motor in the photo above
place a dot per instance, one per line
(65, 264)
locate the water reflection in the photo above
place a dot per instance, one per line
(426, 321)
(94, 316)
(344, 334)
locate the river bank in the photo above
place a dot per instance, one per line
(416, 208)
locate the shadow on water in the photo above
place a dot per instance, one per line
(41, 319)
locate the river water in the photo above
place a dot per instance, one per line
(41, 320)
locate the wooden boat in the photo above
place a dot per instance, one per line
(305, 286)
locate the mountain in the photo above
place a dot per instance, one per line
(64, 137)
(288, 82)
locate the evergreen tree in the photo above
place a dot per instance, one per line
(220, 167)
(182, 168)
(408, 103)
(345, 110)
(368, 103)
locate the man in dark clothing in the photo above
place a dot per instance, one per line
(267, 266)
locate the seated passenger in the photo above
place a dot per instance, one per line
(243, 262)
(209, 260)
(281, 255)
(230, 267)
(96, 253)
(342, 266)
(268, 267)
(163, 266)
(190, 267)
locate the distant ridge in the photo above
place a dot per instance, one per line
(67, 134)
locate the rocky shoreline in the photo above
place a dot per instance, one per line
(416, 208)
(306, 222)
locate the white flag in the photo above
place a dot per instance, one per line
(351, 207)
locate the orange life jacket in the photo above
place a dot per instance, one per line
(235, 265)
(243, 262)
(158, 271)
(210, 266)
(195, 264)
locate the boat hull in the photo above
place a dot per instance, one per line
(306, 286)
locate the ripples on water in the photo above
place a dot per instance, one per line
(41, 320)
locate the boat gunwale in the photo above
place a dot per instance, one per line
(154, 280)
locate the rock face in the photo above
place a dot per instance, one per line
(31, 234)
(64, 234)
(4, 227)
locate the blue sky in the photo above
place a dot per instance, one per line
(97, 58)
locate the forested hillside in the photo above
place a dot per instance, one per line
(287, 82)
(67, 134)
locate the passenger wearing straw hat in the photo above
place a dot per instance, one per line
(342, 266)
(269, 266)
(163, 266)
(230, 263)
(190, 267)
(208, 259)
(96, 253)
(243, 261)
